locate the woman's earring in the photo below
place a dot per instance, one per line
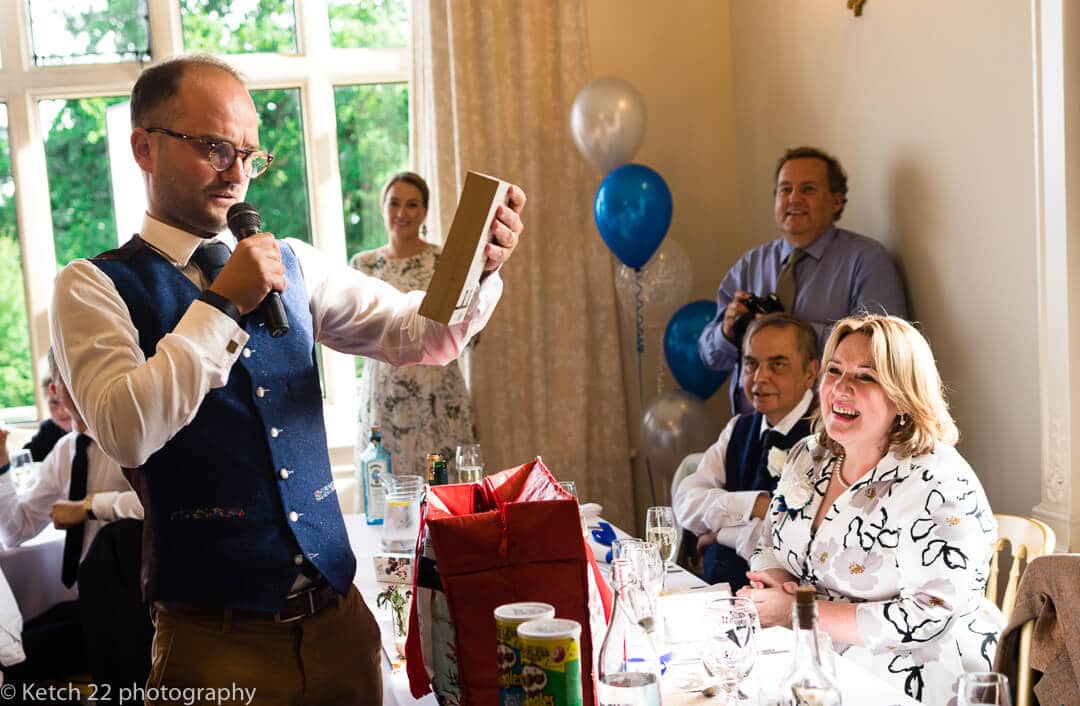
(903, 420)
(423, 230)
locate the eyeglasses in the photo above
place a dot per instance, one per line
(222, 153)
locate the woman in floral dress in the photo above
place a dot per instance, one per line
(884, 518)
(421, 409)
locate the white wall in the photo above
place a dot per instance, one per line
(681, 64)
(928, 105)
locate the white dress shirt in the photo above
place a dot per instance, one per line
(23, 516)
(703, 505)
(133, 405)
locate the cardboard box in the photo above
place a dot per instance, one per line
(393, 568)
(456, 281)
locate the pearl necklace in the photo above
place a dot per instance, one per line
(838, 471)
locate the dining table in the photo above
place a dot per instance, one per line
(682, 599)
(33, 569)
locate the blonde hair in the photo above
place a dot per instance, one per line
(907, 372)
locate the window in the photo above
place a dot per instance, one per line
(373, 143)
(239, 26)
(77, 158)
(89, 31)
(16, 380)
(65, 106)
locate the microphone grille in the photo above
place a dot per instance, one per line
(243, 219)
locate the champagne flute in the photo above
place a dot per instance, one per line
(983, 689)
(660, 527)
(470, 463)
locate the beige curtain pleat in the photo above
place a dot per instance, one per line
(493, 82)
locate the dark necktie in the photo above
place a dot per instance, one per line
(73, 543)
(785, 282)
(210, 257)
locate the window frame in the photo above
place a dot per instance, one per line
(315, 70)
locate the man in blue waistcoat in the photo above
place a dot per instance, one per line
(726, 498)
(220, 425)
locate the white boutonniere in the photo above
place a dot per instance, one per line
(775, 461)
(795, 491)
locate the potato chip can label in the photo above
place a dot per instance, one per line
(551, 656)
(508, 646)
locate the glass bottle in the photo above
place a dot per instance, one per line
(808, 684)
(375, 472)
(629, 668)
(436, 470)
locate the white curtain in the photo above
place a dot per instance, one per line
(493, 82)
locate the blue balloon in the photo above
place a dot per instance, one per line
(681, 349)
(633, 211)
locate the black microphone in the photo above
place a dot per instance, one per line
(243, 221)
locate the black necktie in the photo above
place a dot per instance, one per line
(210, 257)
(77, 491)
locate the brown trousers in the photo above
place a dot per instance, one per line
(330, 658)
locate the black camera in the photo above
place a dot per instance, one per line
(757, 305)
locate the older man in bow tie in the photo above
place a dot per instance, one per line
(725, 499)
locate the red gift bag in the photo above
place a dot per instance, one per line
(515, 536)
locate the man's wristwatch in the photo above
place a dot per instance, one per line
(223, 305)
(88, 506)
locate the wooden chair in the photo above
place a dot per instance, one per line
(1029, 538)
(1024, 686)
(688, 557)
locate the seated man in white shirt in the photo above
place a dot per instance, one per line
(724, 501)
(78, 489)
(107, 495)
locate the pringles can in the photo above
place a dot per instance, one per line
(551, 657)
(508, 647)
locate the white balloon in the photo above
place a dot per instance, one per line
(607, 122)
(666, 280)
(675, 424)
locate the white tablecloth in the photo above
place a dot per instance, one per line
(33, 572)
(857, 685)
(364, 539)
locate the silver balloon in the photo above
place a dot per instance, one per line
(674, 425)
(607, 121)
(666, 280)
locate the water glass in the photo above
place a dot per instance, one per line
(729, 649)
(983, 689)
(22, 468)
(660, 527)
(645, 557)
(401, 523)
(469, 463)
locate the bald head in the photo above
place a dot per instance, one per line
(151, 97)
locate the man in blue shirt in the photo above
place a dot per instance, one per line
(834, 272)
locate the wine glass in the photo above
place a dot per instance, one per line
(470, 463)
(660, 527)
(22, 468)
(645, 557)
(983, 689)
(729, 649)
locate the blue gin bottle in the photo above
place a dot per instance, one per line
(375, 474)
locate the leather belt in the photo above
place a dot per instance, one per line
(302, 604)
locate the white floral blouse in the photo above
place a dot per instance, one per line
(911, 543)
(422, 409)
